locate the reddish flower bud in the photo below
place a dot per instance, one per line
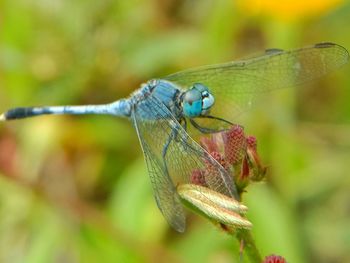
(220, 159)
(211, 174)
(234, 144)
(209, 144)
(197, 177)
(251, 142)
(274, 259)
(236, 153)
(258, 170)
(244, 169)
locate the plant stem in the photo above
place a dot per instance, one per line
(250, 248)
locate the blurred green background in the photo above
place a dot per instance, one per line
(76, 189)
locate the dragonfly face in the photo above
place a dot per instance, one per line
(197, 101)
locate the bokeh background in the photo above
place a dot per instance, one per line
(75, 188)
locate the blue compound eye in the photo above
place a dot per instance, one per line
(197, 101)
(205, 94)
(192, 103)
(208, 101)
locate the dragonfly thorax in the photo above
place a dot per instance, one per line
(197, 101)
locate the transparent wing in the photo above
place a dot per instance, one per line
(235, 84)
(155, 125)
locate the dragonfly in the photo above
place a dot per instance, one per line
(207, 99)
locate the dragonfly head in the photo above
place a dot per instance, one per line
(197, 101)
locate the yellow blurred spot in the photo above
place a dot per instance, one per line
(44, 67)
(288, 9)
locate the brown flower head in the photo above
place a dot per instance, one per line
(236, 152)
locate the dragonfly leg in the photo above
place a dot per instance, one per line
(172, 136)
(184, 124)
(166, 146)
(217, 118)
(202, 129)
(206, 130)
